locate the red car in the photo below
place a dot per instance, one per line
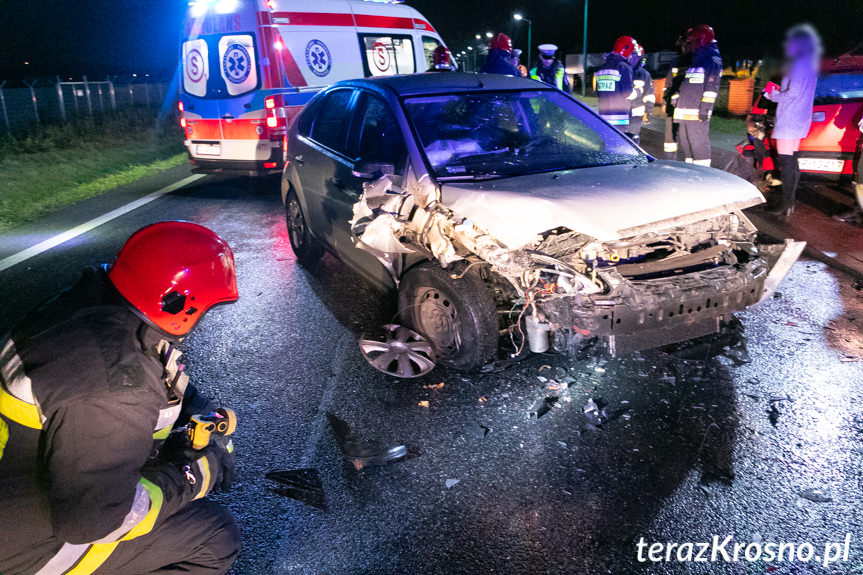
(833, 143)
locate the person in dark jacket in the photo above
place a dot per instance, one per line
(549, 69)
(90, 391)
(794, 102)
(614, 84)
(697, 95)
(499, 59)
(645, 98)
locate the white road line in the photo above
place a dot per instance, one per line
(55, 241)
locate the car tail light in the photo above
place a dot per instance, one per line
(272, 122)
(819, 116)
(270, 165)
(180, 106)
(270, 103)
(183, 123)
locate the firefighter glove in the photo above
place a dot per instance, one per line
(210, 468)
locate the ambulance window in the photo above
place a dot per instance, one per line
(429, 46)
(196, 67)
(237, 63)
(387, 55)
(329, 124)
(380, 137)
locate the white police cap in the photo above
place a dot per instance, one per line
(548, 49)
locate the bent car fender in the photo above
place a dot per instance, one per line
(780, 258)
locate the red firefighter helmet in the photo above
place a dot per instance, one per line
(501, 41)
(442, 59)
(625, 46)
(173, 272)
(699, 36)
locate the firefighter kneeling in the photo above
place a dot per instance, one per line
(92, 479)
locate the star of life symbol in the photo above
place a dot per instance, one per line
(318, 58)
(236, 64)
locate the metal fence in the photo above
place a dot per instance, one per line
(42, 102)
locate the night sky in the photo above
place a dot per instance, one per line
(95, 37)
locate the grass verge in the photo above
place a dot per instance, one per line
(43, 172)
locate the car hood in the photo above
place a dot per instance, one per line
(605, 203)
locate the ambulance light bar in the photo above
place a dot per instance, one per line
(199, 8)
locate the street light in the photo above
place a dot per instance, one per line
(478, 37)
(519, 17)
(489, 35)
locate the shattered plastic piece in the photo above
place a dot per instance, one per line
(594, 411)
(482, 399)
(816, 495)
(403, 353)
(450, 483)
(434, 386)
(485, 429)
(304, 485)
(424, 403)
(773, 414)
(357, 452)
(541, 406)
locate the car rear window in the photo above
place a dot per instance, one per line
(838, 88)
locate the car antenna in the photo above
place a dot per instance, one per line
(478, 81)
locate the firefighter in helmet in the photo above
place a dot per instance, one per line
(442, 60)
(645, 99)
(614, 84)
(549, 69)
(697, 94)
(499, 59)
(92, 479)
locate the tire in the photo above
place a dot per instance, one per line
(306, 248)
(458, 316)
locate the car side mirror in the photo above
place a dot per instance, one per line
(372, 170)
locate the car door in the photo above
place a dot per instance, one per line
(376, 140)
(319, 155)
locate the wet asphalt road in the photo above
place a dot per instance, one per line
(721, 445)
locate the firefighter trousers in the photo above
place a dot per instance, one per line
(695, 141)
(670, 145)
(201, 538)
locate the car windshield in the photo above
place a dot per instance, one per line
(497, 134)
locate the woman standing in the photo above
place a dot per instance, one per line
(795, 99)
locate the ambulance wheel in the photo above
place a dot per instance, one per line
(306, 248)
(458, 316)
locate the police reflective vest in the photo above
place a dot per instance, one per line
(616, 91)
(554, 75)
(700, 86)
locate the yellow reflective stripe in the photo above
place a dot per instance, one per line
(20, 412)
(162, 433)
(670, 146)
(146, 524)
(4, 436)
(708, 100)
(93, 559)
(204, 466)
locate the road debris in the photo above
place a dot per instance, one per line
(424, 403)
(359, 453)
(773, 414)
(434, 386)
(450, 483)
(595, 412)
(816, 495)
(303, 485)
(404, 353)
(541, 406)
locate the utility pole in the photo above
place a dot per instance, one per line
(584, 53)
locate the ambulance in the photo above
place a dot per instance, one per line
(249, 66)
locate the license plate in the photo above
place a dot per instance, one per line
(821, 165)
(208, 149)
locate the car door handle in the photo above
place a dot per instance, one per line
(299, 159)
(227, 117)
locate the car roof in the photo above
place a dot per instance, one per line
(447, 82)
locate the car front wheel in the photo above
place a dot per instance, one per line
(458, 316)
(306, 248)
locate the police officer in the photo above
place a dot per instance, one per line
(90, 388)
(499, 59)
(670, 95)
(614, 84)
(645, 98)
(698, 91)
(442, 60)
(549, 69)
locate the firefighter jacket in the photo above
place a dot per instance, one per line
(645, 97)
(615, 89)
(88, 393)
(700, 86)
(500, 62)
(554, 75)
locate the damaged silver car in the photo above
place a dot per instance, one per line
(499, 207)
